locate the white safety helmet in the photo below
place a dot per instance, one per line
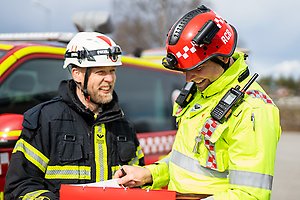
(92, 49)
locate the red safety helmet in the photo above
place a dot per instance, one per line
(196, 37)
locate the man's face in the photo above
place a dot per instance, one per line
(101, 84)
(204, 75)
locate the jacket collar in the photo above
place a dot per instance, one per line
(110, 111)
(228, 77)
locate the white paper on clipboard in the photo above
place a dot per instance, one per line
(112, 183)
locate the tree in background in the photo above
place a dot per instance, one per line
(144, 24)
(271, 84)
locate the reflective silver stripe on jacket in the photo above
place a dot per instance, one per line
(68, 172)
(193, 165)
(139, 154)
(32, 154)
(34, 194)
(251, 179)
(165, 160)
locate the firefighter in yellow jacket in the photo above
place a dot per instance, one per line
(231, 157)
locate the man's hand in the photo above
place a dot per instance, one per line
(135, 176)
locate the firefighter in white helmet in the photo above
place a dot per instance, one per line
(225, 146)
(81, 136)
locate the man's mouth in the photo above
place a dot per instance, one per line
(200, 82)
(106, 89)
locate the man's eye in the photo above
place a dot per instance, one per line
(200, 67)
(100, 72)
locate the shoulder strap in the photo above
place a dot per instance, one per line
(31, 117)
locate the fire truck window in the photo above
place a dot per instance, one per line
(146, 97)
(2, 53)
(34, 81)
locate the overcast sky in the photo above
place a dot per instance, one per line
(268, 28)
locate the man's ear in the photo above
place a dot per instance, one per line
(225, 59)
(77, 74)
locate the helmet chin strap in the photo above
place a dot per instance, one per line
(84, 90)
(85, 82)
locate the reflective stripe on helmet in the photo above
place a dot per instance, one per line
(251, 179)
(68, 172)
(32, 154)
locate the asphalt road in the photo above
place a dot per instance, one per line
(286, 182)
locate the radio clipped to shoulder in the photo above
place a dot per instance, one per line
(230, 101)
(186, 94)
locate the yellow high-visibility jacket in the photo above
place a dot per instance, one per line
(234, 159)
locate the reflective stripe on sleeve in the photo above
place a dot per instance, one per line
(251, 179)
(139, 154)
(34, 195)
(165, 160)
(32, 154)
(68, 172)
(134, 161)
(193, 165)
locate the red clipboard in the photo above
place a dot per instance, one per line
(71, 192)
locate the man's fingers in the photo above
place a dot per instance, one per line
(118, 174)
(125, 179)
(131, 184)
(130, 177)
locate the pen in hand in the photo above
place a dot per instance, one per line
(123, 171)
(123, 174)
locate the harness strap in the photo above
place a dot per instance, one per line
(207, 130)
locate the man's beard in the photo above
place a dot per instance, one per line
(102, 98)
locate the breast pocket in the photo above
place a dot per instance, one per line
(70, 148)
(126, 149)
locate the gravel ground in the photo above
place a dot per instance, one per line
(286, 182)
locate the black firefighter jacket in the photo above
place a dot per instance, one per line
(64, 143)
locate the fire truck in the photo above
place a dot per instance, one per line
(30, 72)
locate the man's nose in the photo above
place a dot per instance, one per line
(109, 77)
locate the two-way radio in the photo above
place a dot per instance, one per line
(230, 101)
(186, 94)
